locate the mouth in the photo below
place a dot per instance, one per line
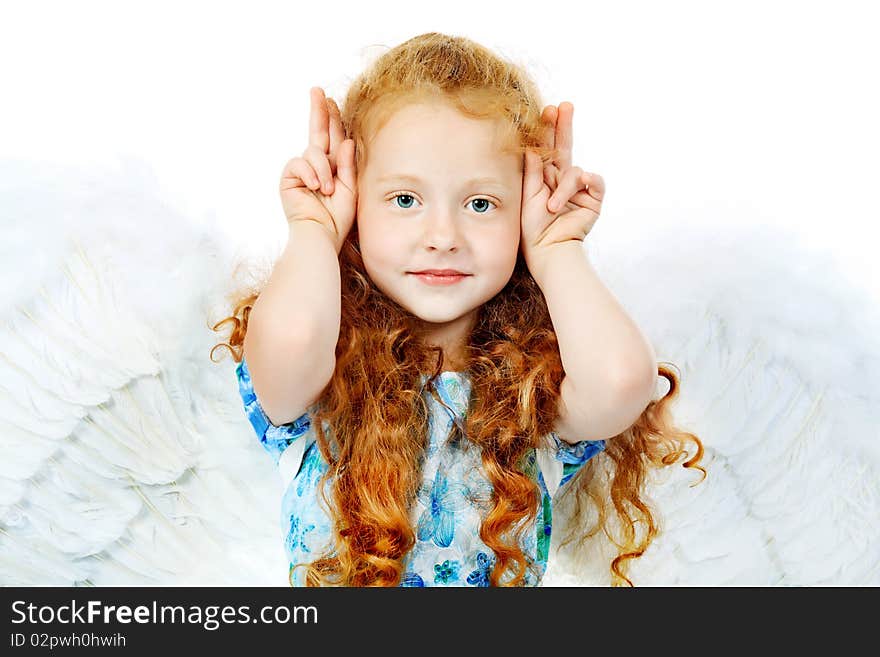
(440, 272)
(439, 277)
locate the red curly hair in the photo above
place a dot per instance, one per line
(373, 403)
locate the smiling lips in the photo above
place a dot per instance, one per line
(440, 276)
(441, 272)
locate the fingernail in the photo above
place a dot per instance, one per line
(326, 187)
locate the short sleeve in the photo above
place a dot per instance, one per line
(574, 455)
(275, 439)
(560, 461)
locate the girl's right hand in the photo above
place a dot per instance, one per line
(321, 185)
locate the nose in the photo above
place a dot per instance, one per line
(441, 231)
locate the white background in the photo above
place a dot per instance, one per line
(760, 112)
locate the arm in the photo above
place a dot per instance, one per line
(293, 327)
(610, 366)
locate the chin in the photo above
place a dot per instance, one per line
(438, 315)
(437, 318)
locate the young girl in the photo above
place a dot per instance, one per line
(433, 357)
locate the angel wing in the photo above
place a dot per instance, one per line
(127, 458)
(779, 360)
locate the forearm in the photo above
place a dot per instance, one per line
(601, 347)
(302, 299)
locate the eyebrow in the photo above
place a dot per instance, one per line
(481, 180)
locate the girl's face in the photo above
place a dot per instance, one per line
(437, 193)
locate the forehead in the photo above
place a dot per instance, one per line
(422, 137)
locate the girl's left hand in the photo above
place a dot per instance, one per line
(562, 202)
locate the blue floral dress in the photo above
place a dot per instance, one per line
(454, 495)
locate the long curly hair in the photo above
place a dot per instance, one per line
(373, 406)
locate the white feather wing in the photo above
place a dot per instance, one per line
(127, 458)
(779, 365)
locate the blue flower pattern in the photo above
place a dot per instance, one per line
(296, 535)
(437, 522)
(412, 580)
(446, 572)
(310, 471)
(480, 576)
(453, 495)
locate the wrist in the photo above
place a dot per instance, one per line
(542, 262)
(313, 226)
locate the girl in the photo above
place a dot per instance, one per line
(433, 357)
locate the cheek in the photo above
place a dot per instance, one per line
(504, 258)
(379, 245)
(505, 239)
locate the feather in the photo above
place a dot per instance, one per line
(127, 458)
(780, 378)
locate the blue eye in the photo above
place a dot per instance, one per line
(410, 200)
(397, 196)
(482, 200)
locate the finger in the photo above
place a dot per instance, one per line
(595, 185)
(345, 167)
(548, 140)
(548, 120)
(569, 184)
(532, 183)
(564, 134)
(551, 176)
(318, 159)
(337, 134)
(319, 135)
(583, 198)
(298, 173)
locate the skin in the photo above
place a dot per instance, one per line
(439, 221)
(544, 211)
(610, 378)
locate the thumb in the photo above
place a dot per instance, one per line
(533, 175)
(345, 164)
